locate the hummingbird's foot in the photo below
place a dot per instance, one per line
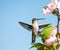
(39, 32)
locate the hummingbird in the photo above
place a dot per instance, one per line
(34, 27)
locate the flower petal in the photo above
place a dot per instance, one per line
(52, 37)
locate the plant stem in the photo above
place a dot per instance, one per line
(58, 23)
(58, 34)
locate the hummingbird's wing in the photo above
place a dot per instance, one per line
(26, 26)
(42, 26)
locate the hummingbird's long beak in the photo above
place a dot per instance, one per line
(41, 19)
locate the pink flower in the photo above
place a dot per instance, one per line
(51, 7)
(54, 31)
(58, 5)
(47, 11)
(52, 38)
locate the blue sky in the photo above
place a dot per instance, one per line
(12, 35)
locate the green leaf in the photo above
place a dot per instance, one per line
(45, 7)
(40, 46)
(37, 45)
(54, 46)
(46, 32)
(39, 34)
(44, 48)
(58, 46)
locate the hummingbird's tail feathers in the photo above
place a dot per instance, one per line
(44, 25)
(26, 26)
(33, 39)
